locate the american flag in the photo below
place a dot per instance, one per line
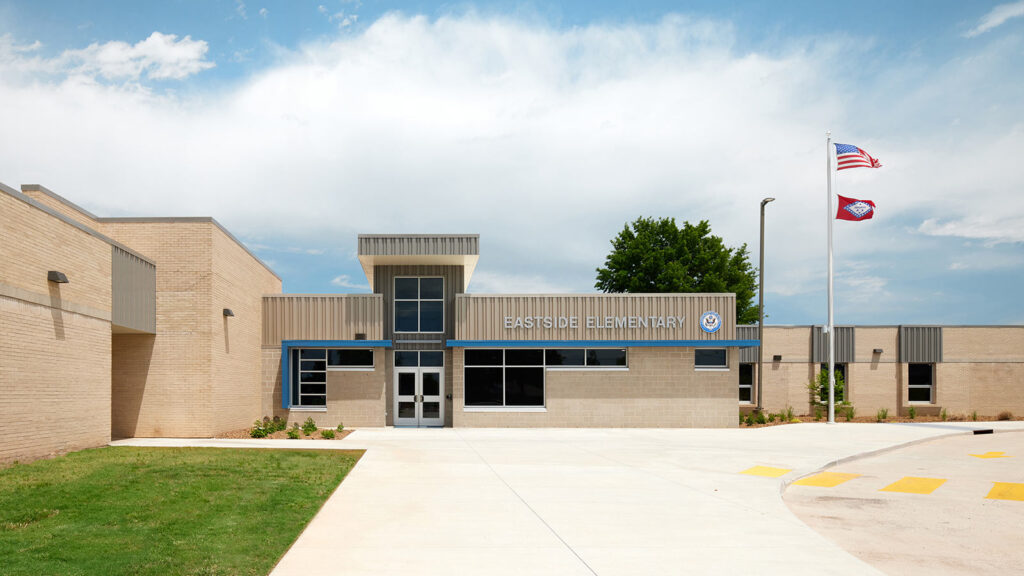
(852, 157)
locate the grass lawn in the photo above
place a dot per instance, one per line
(121, 510)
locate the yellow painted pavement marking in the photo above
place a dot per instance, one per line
(826, 479)
(991, 455)
(1006, 491)
(913, 485)
(767, 471)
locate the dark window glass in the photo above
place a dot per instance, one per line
(841, 368)
(709, 358)
(312, 377)
(431, 316)
(431, 409)
(313, 365)
(919, 374)
(314, 400)
(524, 386)
(483, 357)
(431, 384)
(295, 378)
(313, 353)
(746, 374)
(314, 389)
(601, 357)
(406, 409)
(406, 288)
(406, 316)
(431, 288)
(920, 394)
(431, 358)
(566, 357)
(483, 387)
(406, 358)
(406, 383)
(345, 357)
(745, 394)
(518, 357)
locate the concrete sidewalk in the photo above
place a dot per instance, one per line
(579, 501)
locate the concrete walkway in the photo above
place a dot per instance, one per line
(580, 501)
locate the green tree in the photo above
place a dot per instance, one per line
(656, 255)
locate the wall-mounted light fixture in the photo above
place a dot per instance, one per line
(878, 350)
(360, 336)
(57, 277)
(777, 358)
(228, 312)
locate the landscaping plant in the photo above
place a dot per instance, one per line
(1005, 415)
(294, 432)
(883, 413)
(328, 434)
(789, 414)
(943, 415)
(309, 426)
(849, 411)
(912, 412)
(974, 416)
(341, 427)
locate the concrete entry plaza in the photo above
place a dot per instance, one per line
(580, 501)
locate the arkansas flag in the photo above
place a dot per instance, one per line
(856, 210)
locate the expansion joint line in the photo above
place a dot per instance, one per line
(527, 504)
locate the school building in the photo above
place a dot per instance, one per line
(167, 326)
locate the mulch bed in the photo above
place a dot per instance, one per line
(282, 435)
(871, 419)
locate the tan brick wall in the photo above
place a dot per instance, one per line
(239, 282)
(63, 209)
(176, 398)
(785, 382)
(983, 344)
(35, 242)
(660, 389)
(54, 380)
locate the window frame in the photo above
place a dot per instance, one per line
(353, 368)
(930, 386)
(418, 300)
(711, 367)
(297, 393)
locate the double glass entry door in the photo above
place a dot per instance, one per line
(419, 399)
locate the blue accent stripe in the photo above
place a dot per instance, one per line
(287, 345)
(601, 343)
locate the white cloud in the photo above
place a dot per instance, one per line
(997, 16)
(264, 12)
(240, 9)
(344, 281)
(159, 57)
(543, 140)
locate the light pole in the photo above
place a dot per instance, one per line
(760, 316)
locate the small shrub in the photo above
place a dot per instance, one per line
(741, 417)
(788, 414)
(278, 424)
(974, 416)
(849, 412)
(309, 426)
(817, 413)
(294, 432)
(760, 418)
(771, 417)
(328, 434)
(912, 412)
(1005, 415)
(750, 419)
(943, 415)
(883, 413)
(341, 427)
(258, 430)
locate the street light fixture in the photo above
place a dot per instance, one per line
(760, 316)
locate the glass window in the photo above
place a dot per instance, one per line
(524, 357)
(484, 387)
(606, 357)
(483, 357)
(839, 394)
(419, 305)
(350, 358)
(710, 358)
(432, 358)
(920, 382)
(524, 386)
(746, 382)
(309, 376)
(406, 358)
(566, 357)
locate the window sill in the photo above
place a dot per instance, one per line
(711, 369)
(589, 369)
(341, 369)
(308, 408)
(920, 403)
(504, 409)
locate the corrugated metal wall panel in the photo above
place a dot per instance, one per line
(921, 344)
(133, 291)
(384, 284)
(406, 245)
(747, 333)
(481, 317)
(844, 340)
(322, 317)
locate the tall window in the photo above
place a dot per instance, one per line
(920, 382)
(840, 395)
(419, 304)
(310, 366)
(746, 382)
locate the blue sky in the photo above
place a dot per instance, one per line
(545, 128)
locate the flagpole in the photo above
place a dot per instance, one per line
(830, 327)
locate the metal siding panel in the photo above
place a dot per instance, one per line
(921, 344)
(844, 342)
(327, 317)
(747, 333)
(399, 245)
(133, 291)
